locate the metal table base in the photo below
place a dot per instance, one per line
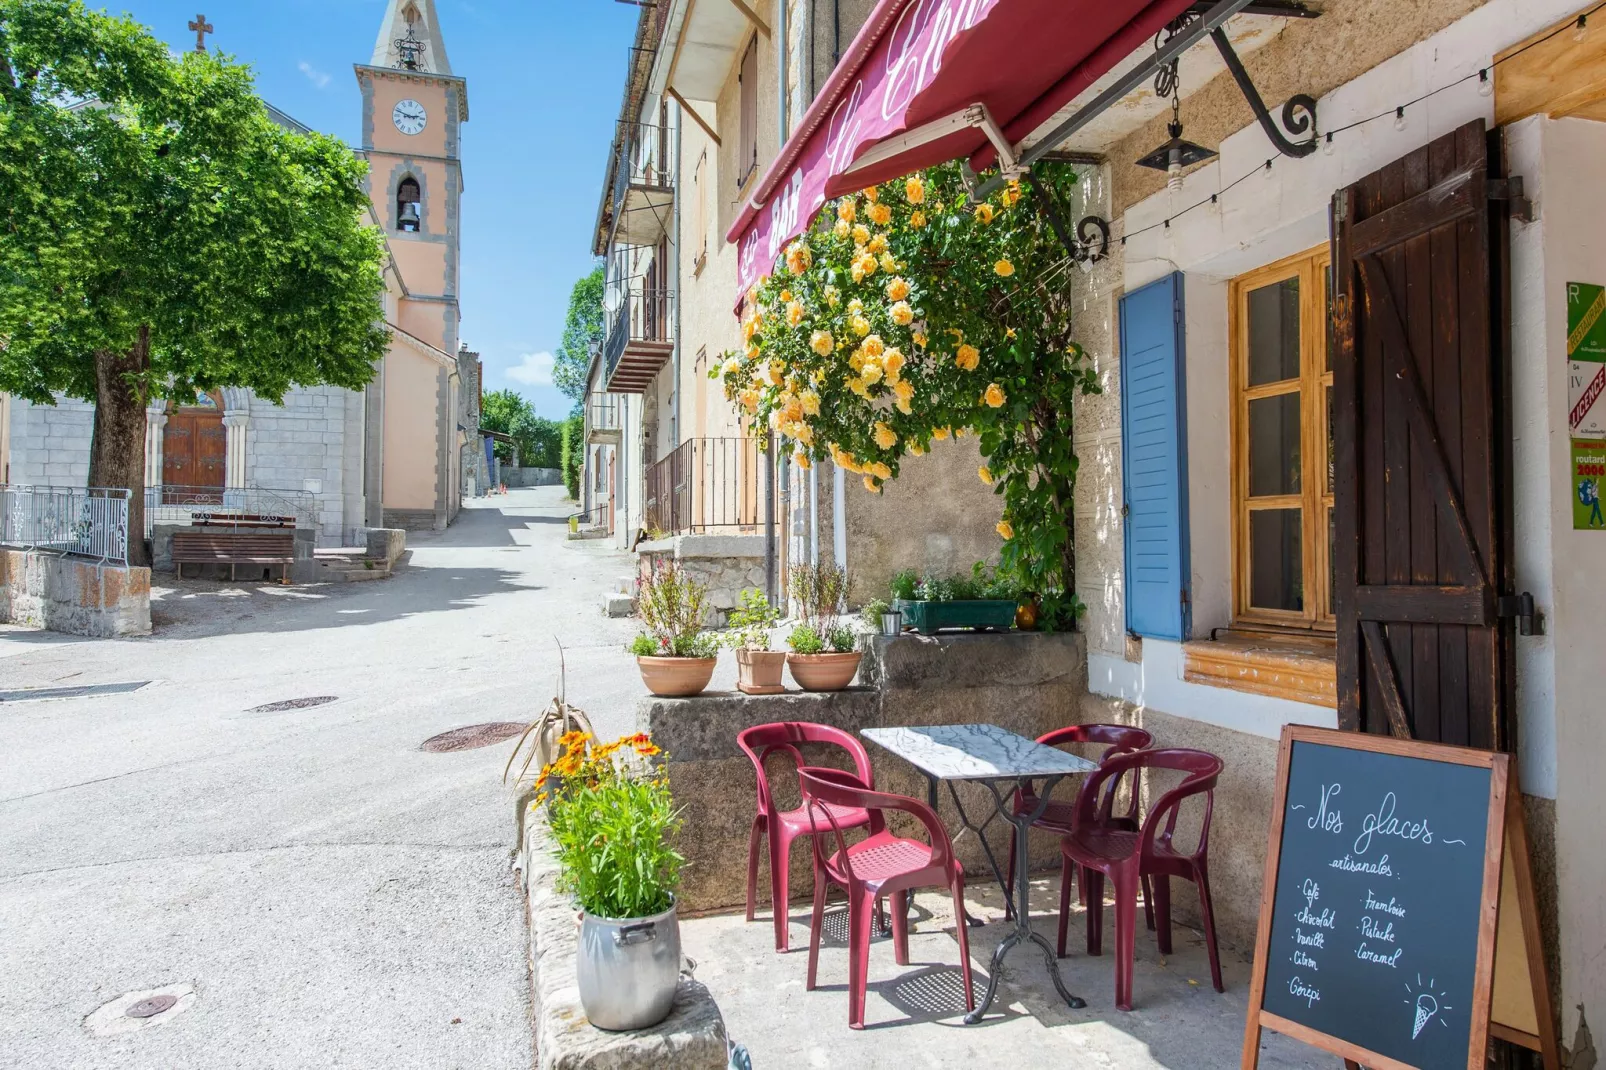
(1018, 912)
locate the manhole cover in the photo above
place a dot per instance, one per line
(293, 704)
(471, 736)
(150, 1007)
(133, 1011)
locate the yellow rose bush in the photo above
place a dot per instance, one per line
(907, 315)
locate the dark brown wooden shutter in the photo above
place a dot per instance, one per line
(1422, 446)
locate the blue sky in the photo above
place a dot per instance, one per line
(544, 83)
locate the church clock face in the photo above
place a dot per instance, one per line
(409, 117)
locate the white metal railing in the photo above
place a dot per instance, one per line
(87, 522)
(179, 504)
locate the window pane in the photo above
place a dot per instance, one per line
(1327, 321)
(1274, 445)
(1274, 333)
(1328, 406)
(1276, 568)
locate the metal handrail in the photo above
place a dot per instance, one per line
(706, 485)
(642, 316)
(90, 522)
(172, 503)
(643, 159)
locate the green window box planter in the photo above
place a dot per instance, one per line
(987, 614)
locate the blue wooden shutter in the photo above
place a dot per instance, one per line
(1153, 463)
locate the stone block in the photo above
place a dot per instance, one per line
(691, 1038)
(385, 544)
(72, 595)
(965, 660)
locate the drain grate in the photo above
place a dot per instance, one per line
(293, 704)
(134, 1011)
(28, 694)
(471, 736)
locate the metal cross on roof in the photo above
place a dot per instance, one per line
(201, 28)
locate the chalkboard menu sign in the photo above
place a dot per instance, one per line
(1378, 920)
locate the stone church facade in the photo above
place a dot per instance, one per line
(397, 453)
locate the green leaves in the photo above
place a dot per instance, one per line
(141, 190)
(583, 333)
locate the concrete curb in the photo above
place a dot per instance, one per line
(691, 1038)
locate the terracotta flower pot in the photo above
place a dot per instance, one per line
(758, 672)
(676, 677)
(823, 672)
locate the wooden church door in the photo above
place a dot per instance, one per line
(1422, 446)
(194, 451)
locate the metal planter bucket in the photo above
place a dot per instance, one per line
(892, 623)
(628, 969)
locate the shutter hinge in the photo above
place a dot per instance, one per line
(1186, 599)
(1510, 190)
(1126, 510)
(1341, 207)
(1521, 606)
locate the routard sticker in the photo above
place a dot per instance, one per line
(1586, 360)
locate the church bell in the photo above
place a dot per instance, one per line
(410, 219)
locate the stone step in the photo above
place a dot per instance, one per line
(617, 605)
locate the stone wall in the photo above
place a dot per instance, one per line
(311, 443)
(529, 477)
(1025, 682)
(728, 564)
(50, 443)
(71, 595)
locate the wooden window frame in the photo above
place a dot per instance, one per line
(1315, 498)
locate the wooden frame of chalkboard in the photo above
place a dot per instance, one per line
(1469, 893)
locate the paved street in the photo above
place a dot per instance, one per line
(334, 896)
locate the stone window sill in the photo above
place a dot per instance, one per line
(1301, 668)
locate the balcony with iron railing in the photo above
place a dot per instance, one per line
(640, 340)
(643, 185)
(706, 486)
(603, 413)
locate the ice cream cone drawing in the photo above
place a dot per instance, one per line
(1426, 1008)
(1426, 1004)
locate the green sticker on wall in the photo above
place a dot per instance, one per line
(1586, 322)
(1588, 474)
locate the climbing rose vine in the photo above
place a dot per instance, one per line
(906, 316)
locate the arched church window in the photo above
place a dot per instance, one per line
(409, 215)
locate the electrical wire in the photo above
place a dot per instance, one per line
(1482, 73)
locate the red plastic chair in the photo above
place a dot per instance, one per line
(882, 864)
(1127, 856)
(1119, 739)
(784, 826)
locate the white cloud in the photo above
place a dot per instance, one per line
(314, 75)
(533, 369)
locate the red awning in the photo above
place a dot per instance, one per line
(932, 80)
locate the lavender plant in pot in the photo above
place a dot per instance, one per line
(675, 656)
(758, 668)
(823, 657)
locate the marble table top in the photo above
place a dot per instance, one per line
(976, 752)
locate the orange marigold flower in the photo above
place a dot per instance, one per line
(822, 343)
(994, 395)
(984, 213)
(968, 357)
(885, 437)
(897, 289)
(871, 485)
(847, 211)
(880, 214)
(1004, 268)
(902, 314)
(1005, 529)
(914, 189)
(917, 219)
(985, 474)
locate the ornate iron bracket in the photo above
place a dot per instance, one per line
(1092, 240)
(1296, 122)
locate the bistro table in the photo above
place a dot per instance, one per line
(1003, 762)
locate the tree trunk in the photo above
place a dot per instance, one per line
(117, 451)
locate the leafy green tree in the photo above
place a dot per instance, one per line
(583, 332)
(573, 454)
(537, 439)
(906, 316)
(160, 234)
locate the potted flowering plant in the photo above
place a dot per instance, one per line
(822, 657)
(675, 657)
(986, 600)
(615, 826)
(758, 668)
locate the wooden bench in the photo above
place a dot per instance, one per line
(241, 520)
(233, 548)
